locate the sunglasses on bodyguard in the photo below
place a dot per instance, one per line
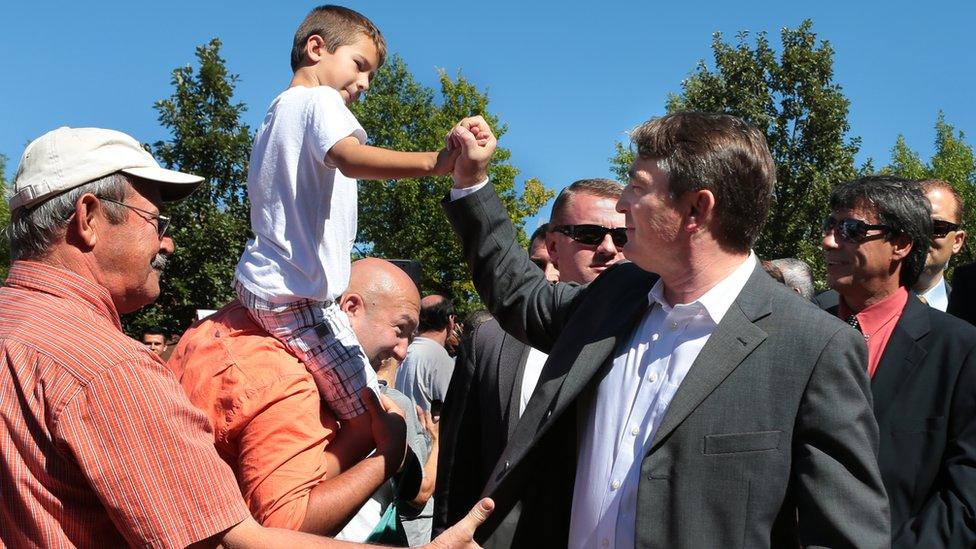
(593, 235)
(851, 230)
(941, 227)
(162, 221)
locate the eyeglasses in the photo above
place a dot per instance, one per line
(162, 221)
(851, 230)
(941, 227)
(592, 235)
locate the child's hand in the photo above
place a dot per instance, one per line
(446, 158)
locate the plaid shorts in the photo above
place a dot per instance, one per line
(319, 333)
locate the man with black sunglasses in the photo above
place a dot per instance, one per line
(586, 234)
(947, 240)
(922, 362)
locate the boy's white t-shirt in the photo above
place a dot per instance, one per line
(303, 212)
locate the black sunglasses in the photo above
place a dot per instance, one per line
(851, 230)
(162, 221)
(592, 235)
(941, 227)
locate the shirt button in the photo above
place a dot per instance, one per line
(615, 485)
(635, 431)
(652, 377)
(674, 325)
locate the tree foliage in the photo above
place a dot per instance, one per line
(792, 99)
(210, 227)
(4, 221)
(403, 219)
(953, 162)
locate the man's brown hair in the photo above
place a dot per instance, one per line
(720, 153)
(338, 26)
(604, 188)
(929, 184)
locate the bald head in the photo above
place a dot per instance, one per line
(383, 306)
(379, 280)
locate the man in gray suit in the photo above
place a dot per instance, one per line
(702, 406)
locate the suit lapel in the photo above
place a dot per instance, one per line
(901, 355)
(732, 341)
(510, 379)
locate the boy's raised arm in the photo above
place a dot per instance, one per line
(360, 161)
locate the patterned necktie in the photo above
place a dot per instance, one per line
(853, 321)
(923, 300)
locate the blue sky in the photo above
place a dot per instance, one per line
(568, 80)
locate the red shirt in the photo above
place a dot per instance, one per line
(99, 447)
(877, 323)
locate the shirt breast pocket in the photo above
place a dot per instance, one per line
(734, 443)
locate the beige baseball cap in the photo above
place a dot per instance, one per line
(66, 158)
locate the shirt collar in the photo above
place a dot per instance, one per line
(717, 300)
(877, 315)
(65, 284)
(937, 294)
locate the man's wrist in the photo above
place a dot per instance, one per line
(465, 181)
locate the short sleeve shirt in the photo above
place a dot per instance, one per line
(268, 421)
(99, 447)
(426, 372)
(303, 211)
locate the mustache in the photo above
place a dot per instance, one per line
(159, 262)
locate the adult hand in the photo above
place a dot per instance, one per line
(462, 534)
(389, 429)
(477, 143)
(431, 425)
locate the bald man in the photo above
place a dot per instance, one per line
(269, 425)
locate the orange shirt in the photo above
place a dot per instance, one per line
(99, 446)
(877, 323)
(265, 410)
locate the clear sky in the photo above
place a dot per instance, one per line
(569, 78)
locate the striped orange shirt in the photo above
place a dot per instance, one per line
(99, 446)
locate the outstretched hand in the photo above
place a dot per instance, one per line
(389, 429)
(477, 143)
(461, 535)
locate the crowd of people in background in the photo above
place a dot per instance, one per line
(640, 377)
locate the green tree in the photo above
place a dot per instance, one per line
(953, 161)
(211, 226)
(4, 220)
(792, 98)
(403, 219)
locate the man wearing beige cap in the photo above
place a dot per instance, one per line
(98, 444)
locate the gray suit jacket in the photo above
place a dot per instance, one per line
(769, 441)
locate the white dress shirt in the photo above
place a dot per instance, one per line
(937, 297)
(530, 376)
(620, 417)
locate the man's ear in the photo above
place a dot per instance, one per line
(84, 225)
(958, 241)
(352, 304)
(699, 206)
(901, 246)
(551, 248)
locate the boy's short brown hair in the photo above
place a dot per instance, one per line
(338, 26)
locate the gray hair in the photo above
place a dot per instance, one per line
(797, 275)
(32, 231)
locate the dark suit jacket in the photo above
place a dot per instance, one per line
(962, 299)
(769, 441)
(480, 411)
(925, 403)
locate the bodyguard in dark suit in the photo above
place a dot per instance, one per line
(922, 361)
(702, 406)
(497, 373)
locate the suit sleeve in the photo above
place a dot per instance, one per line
(961, 298)
(948, 517)
(841, 500)
(458, 443)
(515, 290)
